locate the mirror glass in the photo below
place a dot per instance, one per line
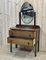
(27, 13)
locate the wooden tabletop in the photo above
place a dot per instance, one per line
(24, 28)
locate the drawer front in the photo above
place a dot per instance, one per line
(20, 41)
(26, 34)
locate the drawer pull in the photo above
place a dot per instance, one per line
(12, 33)
(29, 35)
(28, 43)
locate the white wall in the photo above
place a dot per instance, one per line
(7, 18)
(9, 10)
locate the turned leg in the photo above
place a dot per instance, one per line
(10, 47)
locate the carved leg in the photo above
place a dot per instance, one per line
(10, 47)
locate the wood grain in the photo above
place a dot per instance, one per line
(20, 41)
(21, 33)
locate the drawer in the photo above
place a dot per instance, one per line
(20, 41)
(26, 34)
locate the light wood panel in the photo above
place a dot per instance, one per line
(20, 41)
(21, 33)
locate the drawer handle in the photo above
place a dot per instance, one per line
(12, 33)
(29, 35)
(28, 43)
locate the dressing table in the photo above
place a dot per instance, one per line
(24, 34)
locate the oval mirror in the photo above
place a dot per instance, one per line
(27, 13)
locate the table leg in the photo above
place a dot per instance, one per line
(35, 50)
(38, 46)
(10, 47)
(38, 39)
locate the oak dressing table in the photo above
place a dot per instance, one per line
(26, 35)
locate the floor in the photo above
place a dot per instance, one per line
(17, 54)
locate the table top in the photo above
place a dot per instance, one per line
(25, 28)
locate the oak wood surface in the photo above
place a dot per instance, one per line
(25, 34)
(20, 41)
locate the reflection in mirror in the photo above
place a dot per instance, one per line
(27, 13)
